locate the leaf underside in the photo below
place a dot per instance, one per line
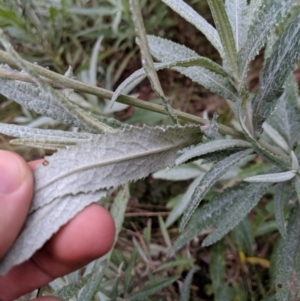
(168, 51)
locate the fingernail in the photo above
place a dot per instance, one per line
(12, 173)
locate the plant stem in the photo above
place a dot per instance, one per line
(70, 83)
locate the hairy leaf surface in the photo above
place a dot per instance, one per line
(110, 160)
(237, 211)
(268, 16)
(286, 118)
(210, 147)
(225, 31)
(279, 200)
(43, 223)
(285, 54)
(33, 98)
(198, 21)
(273, 177)
(168, 51)
(193, 61)
(40, 134)
(237, 15)
(208, 215)
(208, 180)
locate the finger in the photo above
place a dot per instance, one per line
(88, 236)
(47, 299)
(16, 190)
(33, 164)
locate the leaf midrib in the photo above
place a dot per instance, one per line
(109, 162)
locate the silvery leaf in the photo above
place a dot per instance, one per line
(168, 51)
(237, 211)
(286, 52)
(209, 179)
(43, 223)
(226, 34)
(28, 132)
(237, 15)
(198, 21)
(286, 119)
(264, 21)
(110, 160)
(34, 98)
(210, 147)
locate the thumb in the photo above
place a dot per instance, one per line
(16, 191)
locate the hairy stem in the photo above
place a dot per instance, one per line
(70, 83)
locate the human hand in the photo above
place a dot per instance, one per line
(86, 237)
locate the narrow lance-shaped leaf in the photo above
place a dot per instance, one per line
(286, 118)
(275, 137)
(185, 289)
(225, 31)
(41, 134)
(147, 61)
(168, 51)
(86, 121)
(217, 273)
(42, 224)
(180, 173)
(268, 16)
(285, 54)
(237, 15)
(183, 202)
(297, 186)
(151, 289)
(208, 215)
(193, 61)
(237, 211)
(110, 160)
(288, 260)
(279, 200)
(273, 177)
(274, 154)
(208, 180)
(185, 11)
(33, 98)
(210, 147)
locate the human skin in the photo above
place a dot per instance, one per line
(88, 236)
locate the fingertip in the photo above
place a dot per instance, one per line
(33, 164)
(47, 299)
(16, 191)
(87, 237)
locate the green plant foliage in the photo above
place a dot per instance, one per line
(217, 271)
(260, 145)
(288, 264)
(208, 180)
(185, 290)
